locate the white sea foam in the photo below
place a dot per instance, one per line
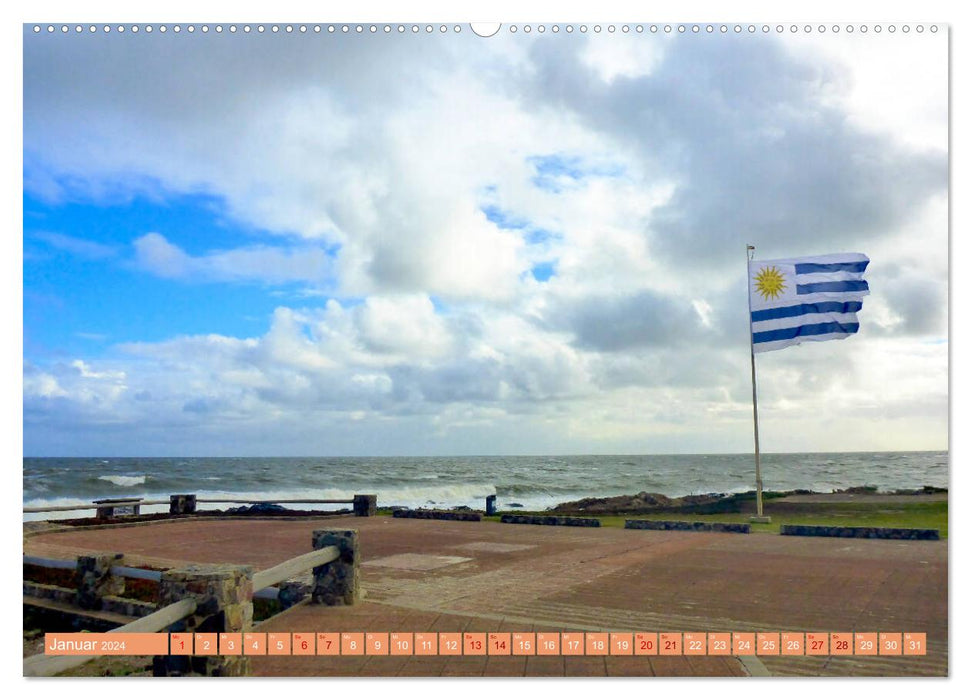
(118, 480)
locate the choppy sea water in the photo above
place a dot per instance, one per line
(533, 483)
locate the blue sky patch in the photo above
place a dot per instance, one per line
(558, 172)
(83, 292)
(544, 270)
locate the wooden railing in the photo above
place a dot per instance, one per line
(337, 548)
(184, 504)
(44, 665)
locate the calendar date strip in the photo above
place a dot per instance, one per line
(488, 643)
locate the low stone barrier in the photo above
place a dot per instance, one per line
(873, 533)
(549, 520)
(742, 528)
(337, 582)
(224, 603)
(182, 504)
(437, 515)
(365, 505)
(49, 592)
(127, 606)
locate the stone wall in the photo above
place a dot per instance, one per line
(549, 520)
(742, 528)
(873, 533)
(48, 592)
(127, 606)
(337, 582)
(365, 505)
(437, 515)
(94, 579)
(182, 503)
(224, 603)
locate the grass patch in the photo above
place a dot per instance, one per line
(931, 515)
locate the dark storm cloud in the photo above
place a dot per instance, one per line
(619, 323)
(743, 130)
(919, 301)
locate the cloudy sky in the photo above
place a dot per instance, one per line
(332, 244)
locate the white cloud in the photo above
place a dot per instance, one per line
(635, 174)
(157, 255)
(76, 246)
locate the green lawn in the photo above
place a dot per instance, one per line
(911, 515)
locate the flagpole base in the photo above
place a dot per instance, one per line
(763, 519)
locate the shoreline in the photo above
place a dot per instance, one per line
(855, 503)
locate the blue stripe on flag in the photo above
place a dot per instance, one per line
(836, 307)
(845, 286)
(807, 268)
(800, 331)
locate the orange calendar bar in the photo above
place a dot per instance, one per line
(866, 643)
(106, 644)
(548, 643)
(767, 643)
(695, 644)
(304, 644)
(426, 643)
(891, 643)
(500, 644)
(205, 643)
(887, 644)
(793, 643)
(915, 643)
(743, 643)
(598, 643)
(450, 644)
(621, 643)
(278, 643)
(474, 643)
(645, 644)
(230, 644)
(719, 643)
(180, 643)
(402, 643)
(352, 644)
(669, 643)
(523, 643)
(841, 644)
(817, 644)
(328, 644)
(376, 643)
(571, 643)
(254, 643)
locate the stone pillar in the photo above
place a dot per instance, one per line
(293, 592)
(365, 504)
(182, 503)
(337, 583)
(491, 504)
(224, 603)
(94, 579)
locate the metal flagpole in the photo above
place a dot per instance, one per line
(759, 518)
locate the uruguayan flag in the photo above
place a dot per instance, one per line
(802, 299)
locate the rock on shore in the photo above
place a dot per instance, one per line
(644, 502)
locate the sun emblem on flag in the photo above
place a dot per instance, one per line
(770, 283)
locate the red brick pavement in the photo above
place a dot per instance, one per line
(558, 578)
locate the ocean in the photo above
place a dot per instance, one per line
(533, 483)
